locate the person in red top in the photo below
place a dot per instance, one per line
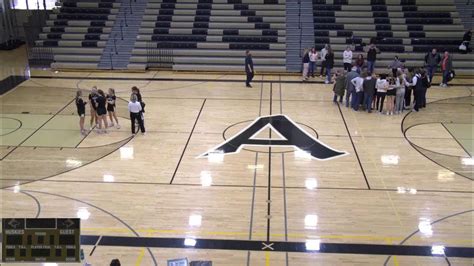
(446, 67)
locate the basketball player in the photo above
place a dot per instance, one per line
(111, 108)
(81, 111)
(101, 111)
(92, 100)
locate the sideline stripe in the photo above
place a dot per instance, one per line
(277, 246)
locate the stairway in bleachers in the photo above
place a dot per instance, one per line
(407, 28)
(299, 32)
(78, 32)
(466, 12)
(213, 35)
(122, 39)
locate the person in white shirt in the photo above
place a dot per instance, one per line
(347, 59)
(135, 108)
(323, 54)
(358, 93)
(381, 86)
(313, 56)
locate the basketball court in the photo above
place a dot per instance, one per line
(401, 185)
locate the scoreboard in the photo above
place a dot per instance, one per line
(40, 240)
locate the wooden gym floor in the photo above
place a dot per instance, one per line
(404, 186)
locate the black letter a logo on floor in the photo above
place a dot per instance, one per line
(290, 133)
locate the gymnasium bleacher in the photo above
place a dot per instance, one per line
(213, 35)
(78, 32)
(407, 28)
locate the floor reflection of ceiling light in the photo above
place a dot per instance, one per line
(390, 159)
(195, 220)
(83, 213)
(311, 183)
(301, 154)
(467, 161)
(437, 250)
(73, 163)
(126, 153)
(255, 166)
(403, 190)
(445, 175)
(425, 227)
(215, 157)
(206, 178)
(190, 242)
(313, 244)
(109, 178)
(16, 188)
(310, 221)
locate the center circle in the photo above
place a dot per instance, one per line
(230, 131)
(9, 125)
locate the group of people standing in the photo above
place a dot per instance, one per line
(102, 104)
(367, 91)
(326, 55)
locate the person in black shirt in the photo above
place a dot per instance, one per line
(111, 108)
(329, 65)
(249, 68)
(93, 104)
(81, 111)
(136, 92)
(101, 111)
(371, 57)
(305, 64)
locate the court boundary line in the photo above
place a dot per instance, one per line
(456, 139)
(199, 80)
(37, 129)
(353, 146)
(187, 142)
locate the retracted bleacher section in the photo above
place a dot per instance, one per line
(78, 32)
(212, 35)
(407, 28)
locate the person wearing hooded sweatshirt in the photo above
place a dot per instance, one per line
(395, 65)
(339, 87)
(432, 61)
(349, 86)
(347, 59)
(382, 87)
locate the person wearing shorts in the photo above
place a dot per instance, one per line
(81, 111)
(93, 103)
(101, 111)
(111, 100)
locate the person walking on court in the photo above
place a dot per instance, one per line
(111, 99)
(135, 109)
(347, 58)
(93, 104)
(313, 56)
(372, 52)
(381, 86)
(324, 52)
(249, 68)
(431, 62)
(81, 111)
(369, 91)
(446, 67)
(329, 65)
(305, 64)
(349, 86)
(101, 111)
(395, 65)
(339, 87)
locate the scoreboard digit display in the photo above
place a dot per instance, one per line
(41, 240)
